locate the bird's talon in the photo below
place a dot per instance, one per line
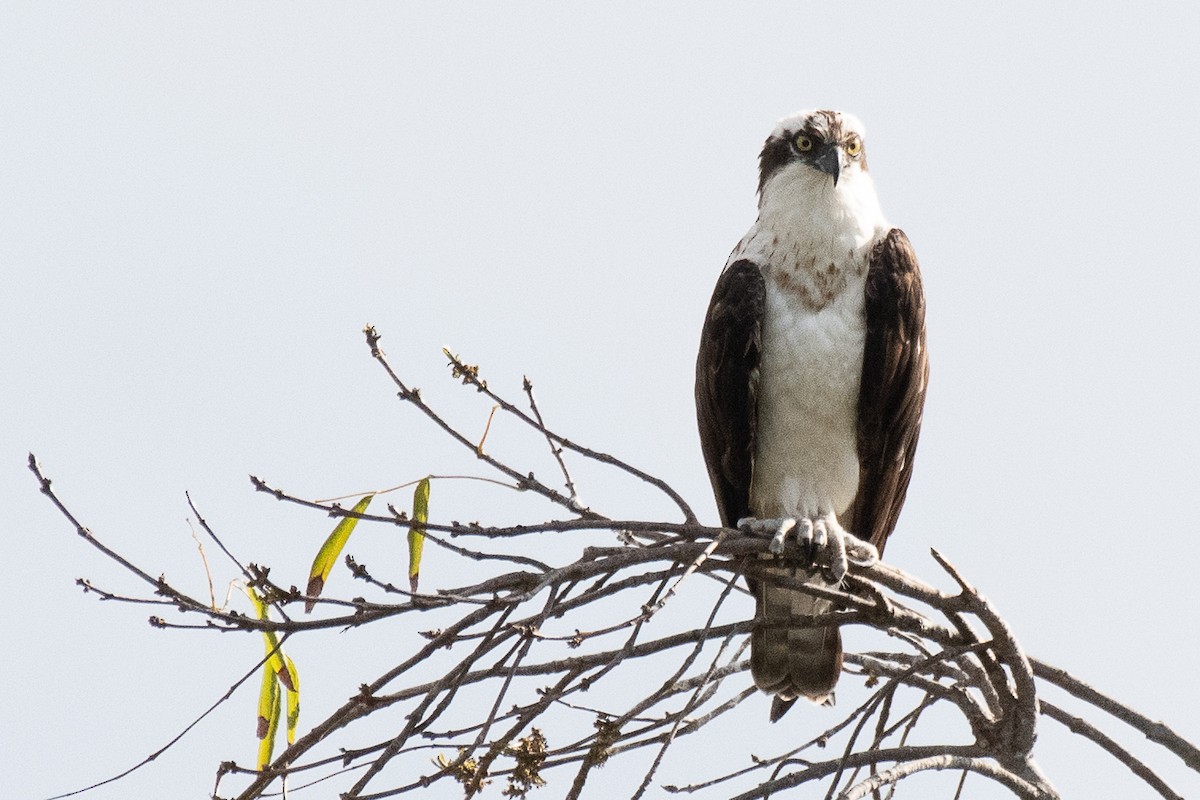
(777, 540)
(838, 563)
(804, 537)
(821, 540)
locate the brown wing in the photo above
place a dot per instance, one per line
(895, 370)
(726, 385)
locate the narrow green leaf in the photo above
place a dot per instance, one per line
(275, 664)
(293, 700)
(268, 717)
(328, 554)
(416, 534)
(278, 669)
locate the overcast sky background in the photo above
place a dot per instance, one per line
(202, 204)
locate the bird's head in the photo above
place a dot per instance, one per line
(822, 147)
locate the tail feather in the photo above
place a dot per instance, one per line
(790, 661)
(780, 706)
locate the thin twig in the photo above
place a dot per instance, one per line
(486, 430)
(555, 449)
(470, 375)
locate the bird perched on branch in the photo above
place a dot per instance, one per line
(809, 387)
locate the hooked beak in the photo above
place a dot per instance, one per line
(829, 160)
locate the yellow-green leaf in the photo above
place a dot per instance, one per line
(278, 669)
(275, 662)
(416, 534)
(293, 700)
(328, 554)
(268, 717)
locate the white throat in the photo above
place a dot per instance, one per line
(805, 222)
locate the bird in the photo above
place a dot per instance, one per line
(810, 387)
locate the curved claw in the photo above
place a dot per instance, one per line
(821, 530)
(806, 538)
(785, 525)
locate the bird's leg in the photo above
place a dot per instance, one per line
(821, 538)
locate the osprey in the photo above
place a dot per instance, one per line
(809, 387)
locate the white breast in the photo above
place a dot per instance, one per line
(806, 461)
(814, 242)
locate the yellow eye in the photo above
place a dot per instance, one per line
(803, 143)
(854, 146)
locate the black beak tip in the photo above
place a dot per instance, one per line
(829, 162)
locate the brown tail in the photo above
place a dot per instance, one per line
(788, 661)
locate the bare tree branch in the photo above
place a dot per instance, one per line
(491, 684)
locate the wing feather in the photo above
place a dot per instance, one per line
(726, 385)
(895, 372)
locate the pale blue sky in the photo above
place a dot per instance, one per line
(202, 204)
